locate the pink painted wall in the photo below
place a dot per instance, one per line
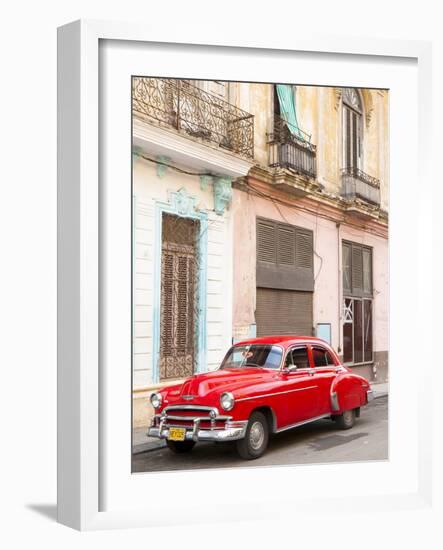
(327, 264)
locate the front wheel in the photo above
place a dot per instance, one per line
(254, 444)
(346, 420)
(179, 447)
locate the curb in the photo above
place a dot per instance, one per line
(380, 394)
(148, 447)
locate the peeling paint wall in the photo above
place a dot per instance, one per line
(319, 112)
(327, 297)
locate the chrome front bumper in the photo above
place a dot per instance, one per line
(229, 433)
(370, 395)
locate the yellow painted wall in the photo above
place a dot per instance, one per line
(319, 112)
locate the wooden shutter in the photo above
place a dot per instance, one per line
(266, 242)
(367, 271)
(178, 300)
(285, 245)
(185, 310)
(283, 312)
(348, 159)
(284, 256)
(167, 301)
(354, 140)
(351, 136)
(347, 268)
(357, 270)
(303, 249)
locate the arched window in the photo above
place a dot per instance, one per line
(352, 128)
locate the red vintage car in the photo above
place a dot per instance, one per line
(263, 386)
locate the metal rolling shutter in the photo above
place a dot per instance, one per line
(283, 312)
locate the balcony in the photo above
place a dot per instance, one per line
(356, 185)
(193, 112)
(291, 150)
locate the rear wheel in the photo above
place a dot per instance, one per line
(179, 447)
(254, 444)
(346, 420)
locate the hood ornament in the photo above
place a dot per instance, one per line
(188, 397)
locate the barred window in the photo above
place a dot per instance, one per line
(357, 303)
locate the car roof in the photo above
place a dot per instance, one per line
(285, 340)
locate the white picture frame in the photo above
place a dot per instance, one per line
(81, 391)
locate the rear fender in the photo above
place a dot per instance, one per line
(348, 392)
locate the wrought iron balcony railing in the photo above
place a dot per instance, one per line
(357, 184)
(292, 149)
(200, 114)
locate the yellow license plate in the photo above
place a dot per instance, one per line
(177, 434)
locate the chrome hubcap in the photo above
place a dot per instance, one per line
(347, 416)
(257, 435)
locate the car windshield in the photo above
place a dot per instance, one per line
(253, 355)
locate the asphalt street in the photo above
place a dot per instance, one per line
(318, 442)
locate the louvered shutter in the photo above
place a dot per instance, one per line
(185, 310)
(283, 312)
(167, 304)
(347, 269)
(367, 271)
(348, 149)
(284, 256)
(303, 249)
(285, 245)
(266, 242)
(357, 270)
(354, 141)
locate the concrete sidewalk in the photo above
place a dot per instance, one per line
(380, 390)
(141, 443)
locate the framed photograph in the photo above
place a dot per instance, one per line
(238, 250)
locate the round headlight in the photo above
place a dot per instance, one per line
(227, 401)
(156, 400)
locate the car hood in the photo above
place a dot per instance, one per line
(212, 384)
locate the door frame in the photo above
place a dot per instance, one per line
(181, 204)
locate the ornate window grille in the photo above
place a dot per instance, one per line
(179, 297)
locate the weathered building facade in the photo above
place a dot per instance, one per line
(258, 209)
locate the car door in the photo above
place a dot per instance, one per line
(300, 386)
(326, 369)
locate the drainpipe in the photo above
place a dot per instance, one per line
(337, 225)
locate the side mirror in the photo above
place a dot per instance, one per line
(290, 368)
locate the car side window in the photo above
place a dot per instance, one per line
(322, 357)
(297, 357)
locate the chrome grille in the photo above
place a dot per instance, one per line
(189, 415)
